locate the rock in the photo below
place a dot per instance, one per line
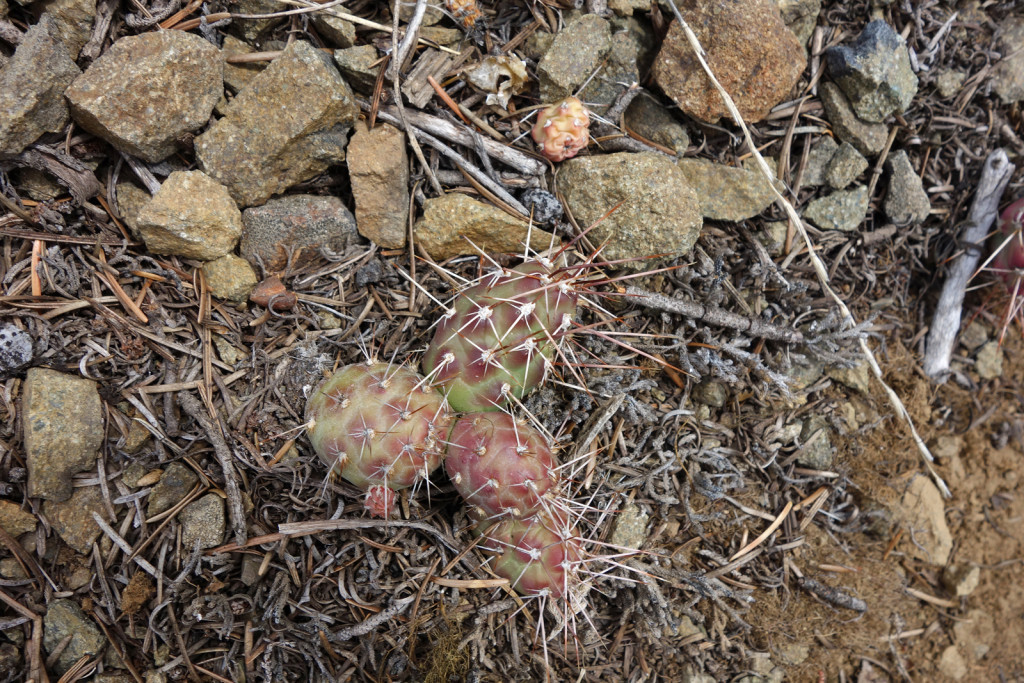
(271, 293)
(949, 81)
(794, 654)
(453, 223)
(816, 450)
(961, 580)
(202, 522)
(857, 378)
(32, 87)
(868, 138)
(545, 207)
(239, 76)
(14, 520)
(10, 568)
(629, 530)
(335, 31)
(174, 485)
(37, 185)
(435, 12)
(906, 202)
(280, 150)
(1008, 75)
(659, 212)
(947, 447)
(251, 29)
(131, 199)
(923, 511)
(728, 193)
(752, 53)
(800, 16)
(73, 21)
(378, 168)
(625, 8)
(63, 422)
(989, 363)
(230, 277)
(147, 91)
(951, 664)
(537, 45)
(975, 633)
(647, 118)
(72, 519)
(359, 65)
(974, 335)
(618, 70)
(65, 618)
(842, 210)
(874, 72)
(774, 236)
(844, 167)
(818, 160)
(299, 224)
(191, 215)
(15, 349)
(576, 52)
(711, 393)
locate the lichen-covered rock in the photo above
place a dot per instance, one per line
(906, 202)
(32, 87)
(191, 215)
(294, 119)
(874, 72)
(202, 523)
(378, 168)
(65, 619)
(751, 52)
(63, 423)
(576, 51)
(869, 138)
(72, 519)
(301, 225)
(147, 91)
(15, 349)
(454, 224)
(728, 193)
(230, 277)
(842, 210)
(657, 214)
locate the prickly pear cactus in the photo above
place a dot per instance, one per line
(498, 339)
(562, 130)
(539, 555)
(503, 467)
(381, 427)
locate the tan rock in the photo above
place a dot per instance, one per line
(238, 76)
(728, 193)
(191, 215)
(230, 277)
(453, 223)
(952, 664)
(923, 512)
(378, 167)
(72, 519)
(14, 520)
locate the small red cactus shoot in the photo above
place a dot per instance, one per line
(379, 426)
(562, 130)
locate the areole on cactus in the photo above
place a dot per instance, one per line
(379, 426)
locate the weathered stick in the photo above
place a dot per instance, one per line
(995, 175)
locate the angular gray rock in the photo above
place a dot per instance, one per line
(453, 223)
(32, 87)
(906, 202)
(299, 224)
(73, 19)
(842, 210)
(647, 118)
(727, 193)
(844, 166)
(869, 138)
(72, 518)
(294, 118)
(202, 522)
(659, 212)
(175, 483)
(816, 449)
(1008, 75)
(359, 65)
(63, 429)
(874, 72)
(378, 168)
(575, 53)
(147, 91)
(618, 70)
(65, 618)
(191, 215)
(818, 160)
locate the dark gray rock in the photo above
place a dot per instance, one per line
(65, 618)
(874, 72)
(906, 202)
(545, 206)
(280, 150)
(176, 482)
(63, 423)
(298, 224)
(15, 349)
(147, 91)
(842, 210)
(32, 87)
(818, 160)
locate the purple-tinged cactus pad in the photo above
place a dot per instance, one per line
(538, 554)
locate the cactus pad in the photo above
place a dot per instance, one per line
(538, 554)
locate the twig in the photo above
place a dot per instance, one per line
(193, 407)
(995, 175)
(816, 262)
(367, 625)
(832, 595)
(714, 316)
(412, 30)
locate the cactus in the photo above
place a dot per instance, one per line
(500, 466)
(379, 426)
(562, 130)
(1008, 261)
(538, 555)
(497, 340)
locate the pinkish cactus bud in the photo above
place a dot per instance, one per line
(1008, 261)
(381, 427)
(562, 130)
